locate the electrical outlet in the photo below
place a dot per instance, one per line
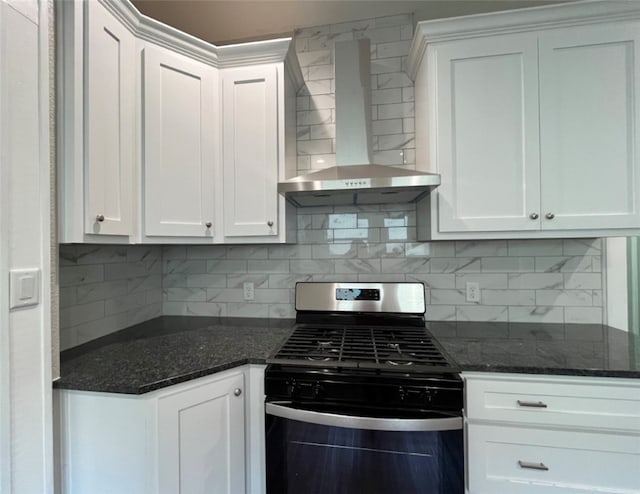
(248, 291)
(473, 291)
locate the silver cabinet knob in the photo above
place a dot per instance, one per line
(100, 218)
(550, 216)
(208, 224)
(237, 391)
(269, 223)
(534, 216)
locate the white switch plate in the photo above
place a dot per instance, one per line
(24, 287)
(247, 288)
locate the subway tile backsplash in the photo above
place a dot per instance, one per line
(106, 288)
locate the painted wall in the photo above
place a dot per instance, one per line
(26, 444)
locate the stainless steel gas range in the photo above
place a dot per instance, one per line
(361, 399)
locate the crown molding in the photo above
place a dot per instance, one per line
(518, 20)
(253, 53)
(243, 54)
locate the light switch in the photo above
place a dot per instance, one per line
(24, 287)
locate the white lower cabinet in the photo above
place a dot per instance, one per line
(185, 439)
(552, 434)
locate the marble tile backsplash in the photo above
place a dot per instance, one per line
(520, 280)
(392, 107)
(104, 288)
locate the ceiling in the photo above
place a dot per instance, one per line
(227, 21)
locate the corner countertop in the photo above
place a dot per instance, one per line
(173, 349)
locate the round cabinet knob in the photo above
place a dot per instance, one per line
(237, 391)
(269, 223)
(208, 224)
(550, 216)
(100, 218)
(534, 216)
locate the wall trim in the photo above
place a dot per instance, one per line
(5, 368)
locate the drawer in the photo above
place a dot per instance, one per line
(612, 404)
(519, 460)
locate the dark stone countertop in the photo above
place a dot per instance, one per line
(533, 348)
(169, 350)
(173, 349)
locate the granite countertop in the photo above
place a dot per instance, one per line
(169, 350)
(173, 349)
(534, 348)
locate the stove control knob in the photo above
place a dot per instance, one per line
(316, 390)
(292, 388)
(402, 393)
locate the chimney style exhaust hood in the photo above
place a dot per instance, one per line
(355, 180)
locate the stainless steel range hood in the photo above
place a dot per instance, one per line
(355, 180)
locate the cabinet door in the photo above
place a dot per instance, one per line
(179, 135)
(109, 123)
(589, 109)
(201, 439)
(250, 140)
(487, 134)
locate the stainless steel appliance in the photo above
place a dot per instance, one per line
(361, 399)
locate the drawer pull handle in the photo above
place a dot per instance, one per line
(532, 465)
(532, 404)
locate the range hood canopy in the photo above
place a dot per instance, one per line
(355, 180)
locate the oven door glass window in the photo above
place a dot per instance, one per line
(316, 458)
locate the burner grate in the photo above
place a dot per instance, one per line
(391, 348)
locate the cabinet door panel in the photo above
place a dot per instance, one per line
(487, 140)
(589, 137)
(110, 124)
(250, 128)
(179, 132)
(201, 439)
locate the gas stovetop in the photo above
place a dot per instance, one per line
(390, 348)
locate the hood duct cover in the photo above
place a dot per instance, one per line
(355, 180)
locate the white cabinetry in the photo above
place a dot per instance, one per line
(188, 438)
(97, 150)
(201, 438)
(535, 133)
(179, 145)
(258, 111)
(543, 434)
(589, 117)
(140, 147)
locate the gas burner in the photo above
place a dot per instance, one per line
(399, 363)
(325, 344)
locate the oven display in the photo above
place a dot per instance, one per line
(357, 294)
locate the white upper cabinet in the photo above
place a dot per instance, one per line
(259, 136)
(179, 113)
(535, 133)
(152, 148)
(589, 117)
(97, 122)
(250, 150)
(487, 123)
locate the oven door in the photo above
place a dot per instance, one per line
(320, 450)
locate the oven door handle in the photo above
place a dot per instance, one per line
(279, 409)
